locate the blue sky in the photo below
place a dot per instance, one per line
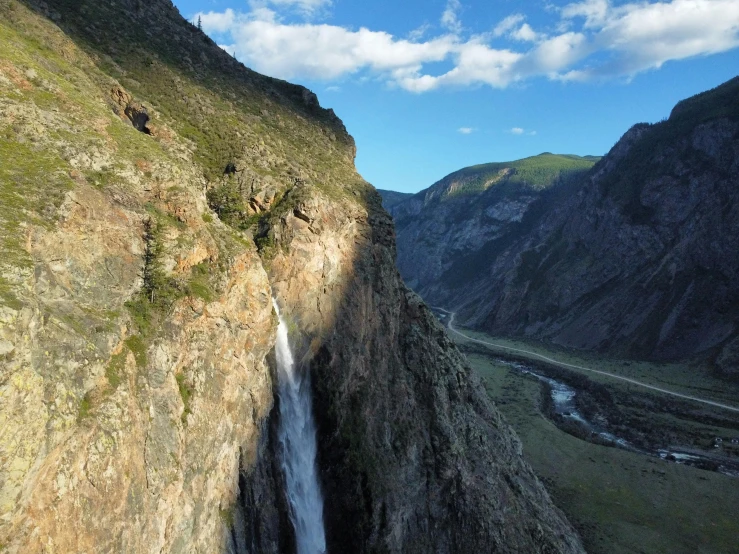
(427, 87)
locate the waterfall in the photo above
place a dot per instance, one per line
(297, 436)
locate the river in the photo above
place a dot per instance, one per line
(565, 405)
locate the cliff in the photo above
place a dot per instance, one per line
(156, 194)
(637, 258)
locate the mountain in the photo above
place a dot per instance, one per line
(156, 195)
(636, 257)
(391, 197)
(471, 211)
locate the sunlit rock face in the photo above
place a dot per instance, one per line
(413, 456)
(137, 330)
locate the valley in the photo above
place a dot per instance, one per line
(600, 311)
(621, 499)
(215, 334)
(632, 255)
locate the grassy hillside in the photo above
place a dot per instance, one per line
(621, 502)
(204, 94)
(536, 172)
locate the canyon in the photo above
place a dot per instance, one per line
(156, 195)
(632, 257)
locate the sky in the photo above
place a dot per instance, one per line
(427, 87)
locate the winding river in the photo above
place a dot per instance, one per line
(563, 400)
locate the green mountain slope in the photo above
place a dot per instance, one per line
(638, 258)
(461, 215)
(535, 173)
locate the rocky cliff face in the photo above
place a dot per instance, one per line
(156, 194)
(638, 258)
(413, 456)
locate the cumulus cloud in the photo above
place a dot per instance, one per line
(466, 130)
(647, 35)
(591, 39)
(525, 33)
(328, 51)
(450, 18)
(217, 22)
(508, 24)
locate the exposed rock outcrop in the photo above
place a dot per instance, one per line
(136, 325)
(413, 456)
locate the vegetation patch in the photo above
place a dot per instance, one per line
(199, 285)
(227, 516)
(138, 347)
(115, 367)
(186, 392)
(85, 407)
(227, 201)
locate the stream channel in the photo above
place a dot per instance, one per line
(563, 401)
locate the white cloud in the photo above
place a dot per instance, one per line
(215, 22)
(595, 39)
(328, 51)
(560, 52)
(307, 7)
(517, 131)
(594, 12)
(648, 35)
(419, 32)
(333, 89)
(450, 17)
(508, 24)
(525, 33)
(466, 130)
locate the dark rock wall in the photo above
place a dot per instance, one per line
(638, 259)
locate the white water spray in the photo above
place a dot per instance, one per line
(297, 436)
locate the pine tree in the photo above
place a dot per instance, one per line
(200, 24)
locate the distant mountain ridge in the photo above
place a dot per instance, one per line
(637, 256)
(459, 215)
(391, 197)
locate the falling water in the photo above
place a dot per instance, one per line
(297, 436)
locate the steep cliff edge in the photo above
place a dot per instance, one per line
(413, 456)
(156, 193)
(637, 259)
(134, 325)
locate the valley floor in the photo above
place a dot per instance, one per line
(621, 501)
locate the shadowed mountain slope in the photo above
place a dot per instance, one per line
(638, 257)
